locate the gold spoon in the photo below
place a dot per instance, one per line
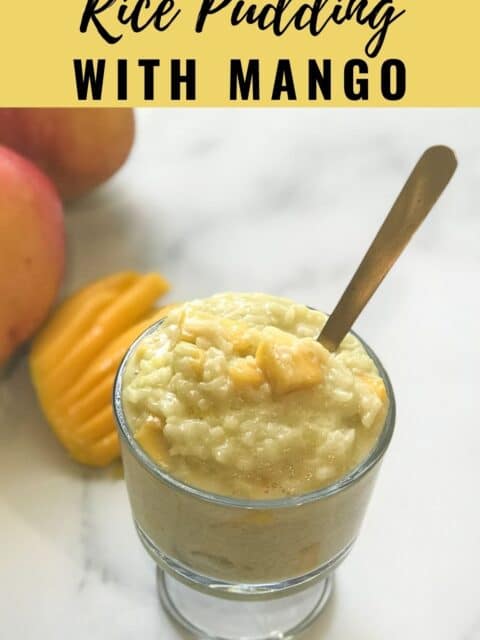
(427, 181)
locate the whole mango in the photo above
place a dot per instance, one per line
(32, 249)
(77, 148)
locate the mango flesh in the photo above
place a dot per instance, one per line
(74, 359)
(32, 249)
(242, 337)
(77, 148)
(287, 362)
(290, 363)
(245, 373)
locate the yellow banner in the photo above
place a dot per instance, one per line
(239, 53)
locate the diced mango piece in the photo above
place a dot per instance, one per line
(151, 438)
(245, 373)
(375, 383)
(290, 363)
(243, 338)
(195, 356)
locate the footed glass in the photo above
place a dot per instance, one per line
(235, 569)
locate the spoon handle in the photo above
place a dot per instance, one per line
(429, 178)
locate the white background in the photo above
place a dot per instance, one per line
(284, 202)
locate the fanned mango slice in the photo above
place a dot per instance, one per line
(69, 309)
(74, 359)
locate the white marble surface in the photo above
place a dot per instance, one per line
(284, 202)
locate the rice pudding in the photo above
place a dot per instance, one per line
(233, 394)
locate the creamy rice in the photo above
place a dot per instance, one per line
(234, 395)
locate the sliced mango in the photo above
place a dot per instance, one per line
(74, 359)
(117, 317)
(109, 358)
(75, 304)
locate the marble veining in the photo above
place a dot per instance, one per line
(285, 202)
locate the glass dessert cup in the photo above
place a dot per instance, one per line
(231, 568)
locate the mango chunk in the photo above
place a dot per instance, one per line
(245, 373)
(375, 383)
(194, 355)
(151, 438)
(243, 338)
(290, 363)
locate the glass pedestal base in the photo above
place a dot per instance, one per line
(211, 617)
